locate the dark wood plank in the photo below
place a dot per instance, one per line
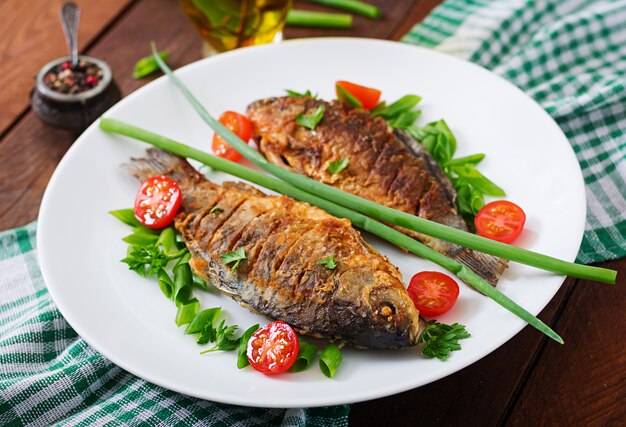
(31, 35)
(583, 383)
(475, 396)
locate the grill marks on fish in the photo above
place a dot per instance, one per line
(281, 277)
(385, 165)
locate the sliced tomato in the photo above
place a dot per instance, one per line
(157, 202)
(273, 348)
(433, 293)
(367, 96)
(239, 125)
(500, 220)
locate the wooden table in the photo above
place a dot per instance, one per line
(528, 381)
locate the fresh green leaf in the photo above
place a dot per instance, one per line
(141, 239)
(311, 120)
(330, 359)
(347, 98)
(216, 209)
(146, 260)
(470, 174)
(305, 358)
(338, 166)
(127, 216)
(329, 262)
(224, 338)
(242, 357)
(236, 257)
(295, 94)
(207, 334)
(148, 65)
(165, 283)
(380, 107)
(186, 312)
(199, 282)
(440, 339)
(405, 119)
(402, 105)
(474, 159)
(183, 283)
(167, 239)
(201, 319)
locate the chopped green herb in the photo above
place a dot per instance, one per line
(236, 257)
(355, 6)
(127, 216)
(311, 120)
(165, 283)
(347, 98)
(183, 284)
(330, 360)
(146, 260)
(141, 239)
(299, 94)
(222, 336)
(394, 110)
(148, 65)
(338, 166)
(305, 358)
(201, 319)
(242, 357)
(216, 209)
(329, 262)
(440, 339)
(186, 312)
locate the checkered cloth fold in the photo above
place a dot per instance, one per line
(570, 56)
(50, 376)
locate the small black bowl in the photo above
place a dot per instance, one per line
(74, 111)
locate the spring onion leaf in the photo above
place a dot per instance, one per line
(474, 159)
(183, 283)
(394, 110)
(141, 239)
(199, 282)
(338, 166)
(187, 312)
(355, 6)
(203, 318)
(146, 260)
(242, 357)
(295, 94)
(468, 173)
(347, 98)
(165, 283)
(311, 120)
(330, 359)
(440, 339)
(308, 18)
(305, 358)
(127, 216)
(236, 257)
(329, 262)
(405, 120)
(167, 239)
(148, 65)
(216, 209)
(222, 336)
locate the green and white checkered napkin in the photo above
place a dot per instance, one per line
(49, 375)
(570, 56)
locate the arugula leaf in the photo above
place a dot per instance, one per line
(311, 120)
(242, 357)
(329, 262)
(347, 98)
(338, 166)
(440, 339)
(148, 65)
(216, 209)
(146, 260)
(298, 94)
(222, 336)
(236, 257)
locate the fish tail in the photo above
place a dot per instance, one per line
(159, 162)
(487, 266)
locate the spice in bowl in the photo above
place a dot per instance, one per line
(64, 78)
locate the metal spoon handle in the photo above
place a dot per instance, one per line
(70, 15)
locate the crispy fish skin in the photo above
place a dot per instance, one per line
(385, 165)
(362, 301)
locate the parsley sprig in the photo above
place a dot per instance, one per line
(338, 166)
(236, 257)
(329, 262)
(222, 336)
(146, 260)
(311, 120)
(440, 339)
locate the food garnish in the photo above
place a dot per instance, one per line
(148, 65)
(330, 359)
(311, 120)
(440, 339)
(296, 94)
(433, 293)
(240, 126)
(223, 337)
(500, 220)
(309, 18)
(215, 209)
(237, 256)
(355, 6)
(357, 96)
(273, 348)
(338, 166)
(157, 202)
(329, 262)
(242, 358)
(305, 358)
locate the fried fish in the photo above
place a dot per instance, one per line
(361, 300)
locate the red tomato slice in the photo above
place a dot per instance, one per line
(433, 293)
(273, 348)
(239, 125)
(368, 96)
(500, 220)
(157, 202)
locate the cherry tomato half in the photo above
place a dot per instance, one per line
(433, 293)
(273, 348)
(239, 125)
(157, 202)
(500, 220)
(366, 95)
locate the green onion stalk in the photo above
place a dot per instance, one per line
(308, 18)
(355, 6)
(390, 215)
(362, 221)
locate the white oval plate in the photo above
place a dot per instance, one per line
(128, 320)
